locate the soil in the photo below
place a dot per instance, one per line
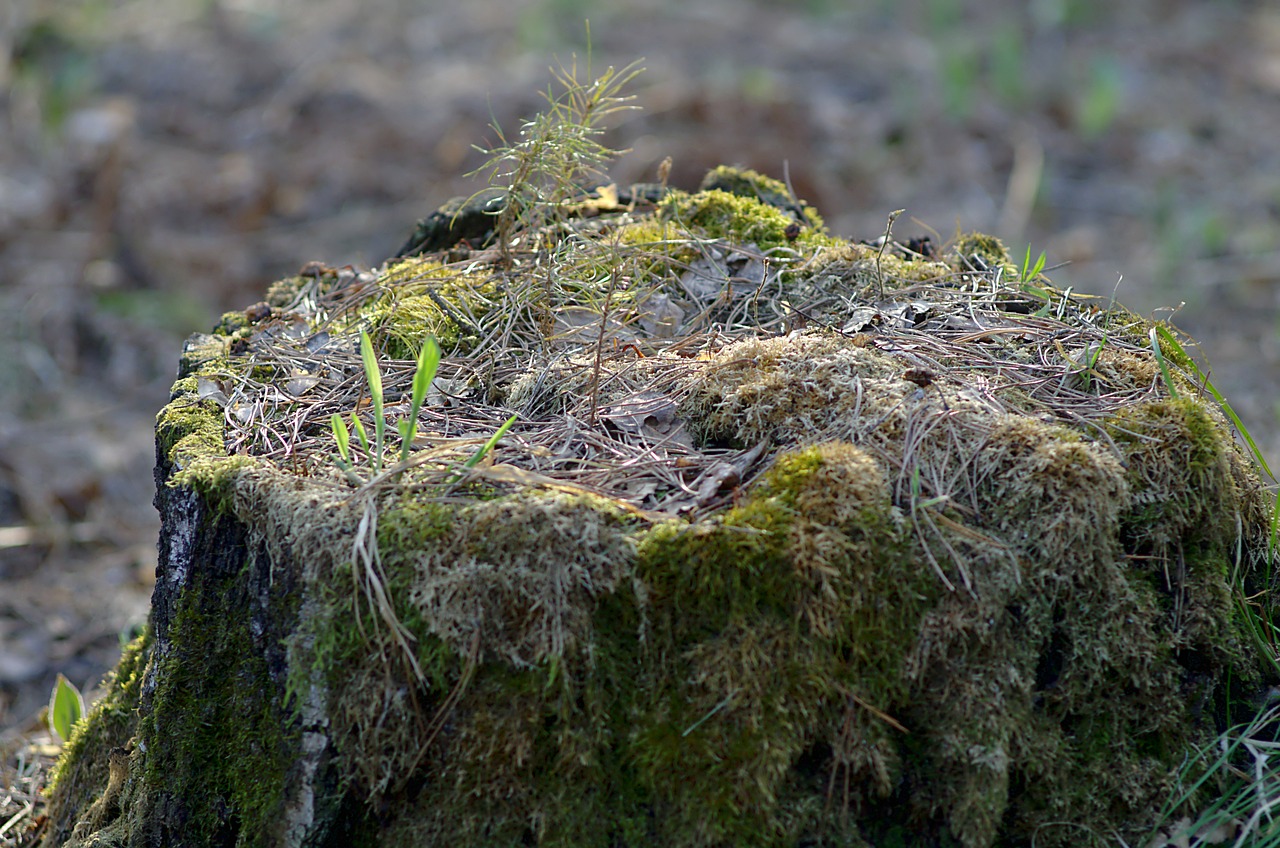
(162, 162)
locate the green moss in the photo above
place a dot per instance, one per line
(214, 477)
(743, 220)
(764, 624)
(411, 308)
(745, 182)
(282, 292)
(231, 323)
(659, 239)
(414, 525)
(532, 760)
(190, 434)
(227, 741)
(189, 428)
(82, 770)
(201, 353)
(1175, 454)
(989, 250)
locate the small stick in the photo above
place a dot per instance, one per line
(888, 232)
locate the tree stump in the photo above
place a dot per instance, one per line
(793, 541)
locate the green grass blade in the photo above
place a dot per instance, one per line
(1029, 271)
(428, 363)
(1164, 335)
(342, 436)
(1164, 366)
(360, 433)
(1254, 622)
(407, 429)
(488, 446)
(374, 376)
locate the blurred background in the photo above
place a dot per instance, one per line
(162, 161)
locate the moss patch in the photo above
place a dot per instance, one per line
(87, 787)
(230, 739)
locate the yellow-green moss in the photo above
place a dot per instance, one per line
(188, 429)
(407, 314)
(743, 220)
(748, 183)
(745, 182)
(190, 435)
(988, 250)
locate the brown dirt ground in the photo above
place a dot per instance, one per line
(163, 161)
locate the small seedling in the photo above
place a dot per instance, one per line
(543, 168)
(428, 363)
(424, 373)
(66, 707)
(489, 445)
(342, 436)
(1030, 271)
(374, 376)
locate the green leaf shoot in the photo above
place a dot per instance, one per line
(361, 435)
(374, 376)
(342, 436)
(66, 707)
(428, 363)
(489, 445)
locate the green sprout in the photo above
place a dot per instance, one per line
(342, 436)
(374, 376)
(1030, 271)
(66, 708)
(489, 445)
(428, 362)
(424, 373)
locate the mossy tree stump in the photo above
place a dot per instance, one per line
(795, 541)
